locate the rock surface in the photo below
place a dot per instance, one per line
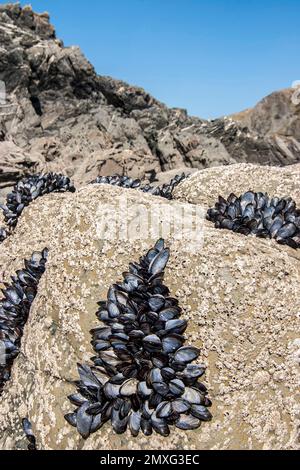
(240, 295)
(64, 117)
(204, 187)
(14, 164)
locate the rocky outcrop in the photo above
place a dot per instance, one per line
(278, 113)
(239, 295)
(14, 164)
(65, 118)
(276, 118)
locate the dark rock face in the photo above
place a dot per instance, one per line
(60, 116)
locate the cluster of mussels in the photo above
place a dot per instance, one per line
(142, 376)
(117, 180)
(15, 307)
(28, 189)
(27, 428)
(258, 214)
(165, 190)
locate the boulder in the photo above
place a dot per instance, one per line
(239, 295)
(204, 187)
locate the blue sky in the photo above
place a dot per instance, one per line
(211, 57)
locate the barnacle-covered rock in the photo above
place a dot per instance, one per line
(30, 188)
(260, 215)
(14, 310)
(204, 187)
(142, 371)
(241, 304)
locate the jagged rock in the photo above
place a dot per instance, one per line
(68, 119)
(276, 119)
(14, 163)
(240, 295)
(275, 114)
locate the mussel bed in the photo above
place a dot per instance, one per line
(165, 191)
(14, 310)
(27, 190)
(260, 215)
(142, 377)
(30, 188)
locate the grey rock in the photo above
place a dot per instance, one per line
(65, 118)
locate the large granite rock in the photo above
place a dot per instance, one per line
(240, 295)
(67, 118)
(206, 186)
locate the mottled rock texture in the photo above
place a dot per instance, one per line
(240, 295)
(60, 116)
(205, 186)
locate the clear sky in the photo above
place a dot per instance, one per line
(212, 57)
